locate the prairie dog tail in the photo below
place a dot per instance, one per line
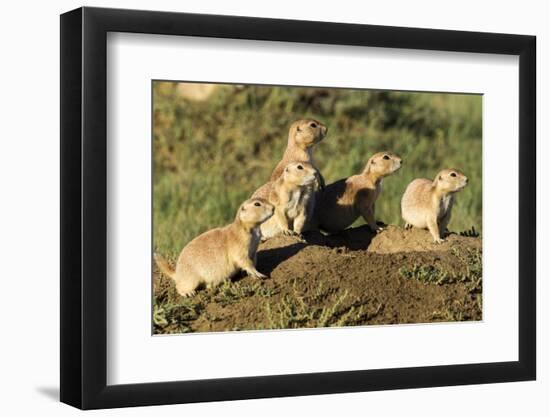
(163, 265)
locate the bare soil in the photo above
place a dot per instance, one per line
(353, 278)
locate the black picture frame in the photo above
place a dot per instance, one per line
(84, 207)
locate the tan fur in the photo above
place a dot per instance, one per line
(302, 136)
(428, 204)
(291, 194)
(342, 202)
(220, 253)
(263, 191)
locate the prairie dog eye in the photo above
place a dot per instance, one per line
(313, 125)
(257, 204)
(453, 174)
(300, 167)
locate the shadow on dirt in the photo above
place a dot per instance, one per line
(357, 238)
(269, 259)
(282, 248)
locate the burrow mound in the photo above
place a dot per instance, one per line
(353, 278)
(391, 239)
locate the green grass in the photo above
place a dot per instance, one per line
(209, 156)
(470, 271)
(174, 314)
(229, 293)
(426, 274)
(298, 310)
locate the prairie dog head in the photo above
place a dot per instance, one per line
(382, 164)
(255, 211)
(307, 132)
(450, 180)
(299, 173)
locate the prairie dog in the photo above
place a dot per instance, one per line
(302, 136)
(291, 194)
(218, 254)
(428, 204)
(342, 202)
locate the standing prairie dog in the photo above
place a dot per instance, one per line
(302, 136)
(218, 254)
(291, 195)
(342, 202)
(428, 204)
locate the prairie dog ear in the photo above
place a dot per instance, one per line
(298, 128)
(273, 198)
(440, 177)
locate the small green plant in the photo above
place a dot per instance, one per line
(169, 317)
(427, 274)
(159, 316)
(296, 310)
(175, 314)
(472, 274)
(229, 292)
(359, 314)
(328, 315)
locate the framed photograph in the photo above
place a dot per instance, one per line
(257, 208)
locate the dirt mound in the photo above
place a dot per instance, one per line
(353, 278)
(392, 239)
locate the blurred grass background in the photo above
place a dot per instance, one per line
(213, 145)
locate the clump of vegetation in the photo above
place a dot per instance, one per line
(425, 273)
(171, 317)
(175, 314)
(229, 293)
(470, 273)
(294, 311)
(297, 310)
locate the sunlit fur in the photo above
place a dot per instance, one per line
(291, 194)
(218, 254)
(343, 201)
(428, 203)
(302, 136)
